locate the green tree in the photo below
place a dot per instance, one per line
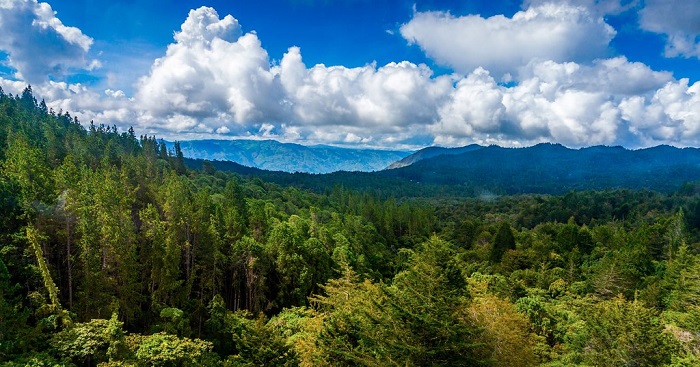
(26, 165)
(257, 343)
(503, 242)
(420, 319)
(624, 333)
(167, 350)
(92, 342)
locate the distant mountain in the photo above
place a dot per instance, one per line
(553, 168)
(275, 156)
(431, 152)
(540, 169)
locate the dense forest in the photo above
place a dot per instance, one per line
(115, 252)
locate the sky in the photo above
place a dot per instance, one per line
(388, 74)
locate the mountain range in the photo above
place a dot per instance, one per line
(553, 168)
(543, 169)
(272, 155)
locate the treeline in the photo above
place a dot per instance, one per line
(114, 252)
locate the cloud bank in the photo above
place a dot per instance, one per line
(678, 20)
(38, 44)
(550, 31)
(215, 80)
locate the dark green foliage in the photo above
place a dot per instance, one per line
(427, 300)
(247, 341)
(503, 242)
(487, 172)
(418, 320)
(14, 336)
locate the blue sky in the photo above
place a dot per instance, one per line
(388, 74)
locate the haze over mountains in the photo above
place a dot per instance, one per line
(272, 155)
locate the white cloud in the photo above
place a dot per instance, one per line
(568, 103)
(679, 20)
(671, 115)
(38, 44)
(384, 99)
(203, 25)
(550, 31)
(211, 73)
(215, 76)
(616, 76)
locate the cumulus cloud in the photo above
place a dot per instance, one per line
(384, 99)
(569, 103)
(112, 107)
(549, 31)
(679, 20)
(671, 115)
(39, 44)
(215, 79)
(211, 73)
(611, 101)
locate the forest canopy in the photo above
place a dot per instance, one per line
(113, 252)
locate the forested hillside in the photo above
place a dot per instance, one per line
(431, 152)
(113, 252)
(554, 169)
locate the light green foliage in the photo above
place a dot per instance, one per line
(504, 329)
(33, 237)
(92, 342)
(170, 351)
(39, 359)
(682, 281)
(53, 313)
(626, 333)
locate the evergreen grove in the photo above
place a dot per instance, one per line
(114, 253)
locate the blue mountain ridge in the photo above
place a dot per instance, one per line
(553, 168)
(272, 155)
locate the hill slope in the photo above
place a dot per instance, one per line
(275, 156)
(552, 168)
(431, 152)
